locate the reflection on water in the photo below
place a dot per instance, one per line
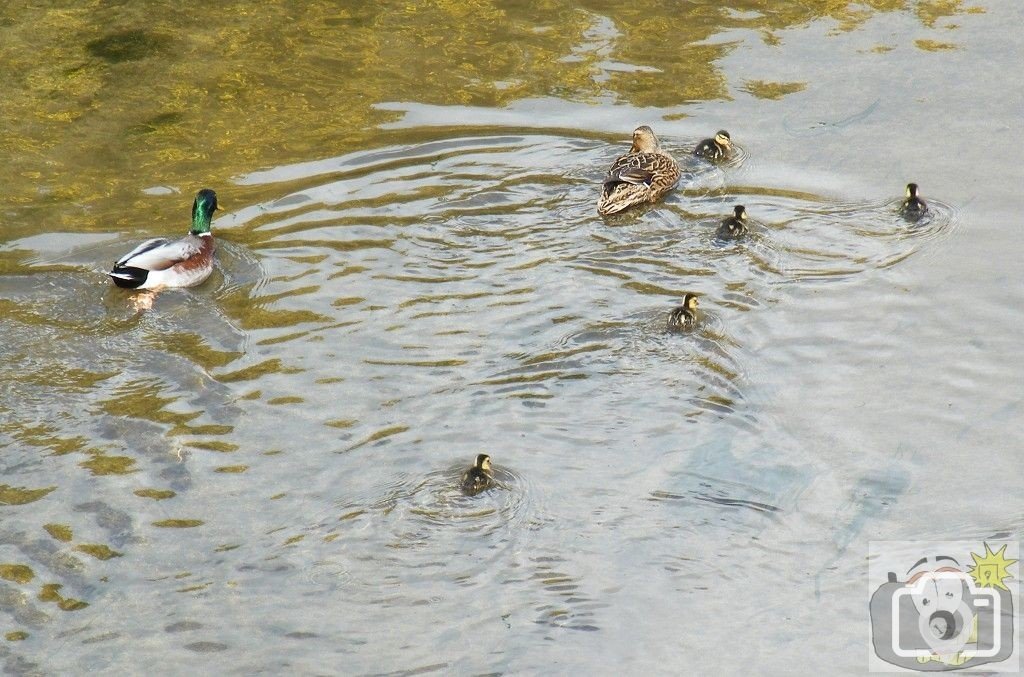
(264, 469)
(86, 131)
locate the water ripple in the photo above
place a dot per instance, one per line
(416, 529)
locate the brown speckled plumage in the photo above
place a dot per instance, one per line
(641, 176)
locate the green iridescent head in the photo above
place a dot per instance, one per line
(202, 211)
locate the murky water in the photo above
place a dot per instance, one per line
(261, 474)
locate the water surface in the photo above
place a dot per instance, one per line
(260, 474)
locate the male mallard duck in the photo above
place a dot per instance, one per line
(735, 226)
(913, 207)
(642, 175)
(685, 316)
(161, 262)
(714, 149)
(479, 477)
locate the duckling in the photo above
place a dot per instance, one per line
(685, 316)
(479, 477)
(640, 176)
(162, 262)
(913, 207)
(735, 226)
(715, 149)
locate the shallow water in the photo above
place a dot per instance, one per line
(260, 474)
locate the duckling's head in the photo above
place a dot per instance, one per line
(911, 190)
(690, 301)
(722, 138)
(202, 211)
(740, 212)
(644, 140)
(483, 462)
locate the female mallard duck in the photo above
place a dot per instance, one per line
(161, 262)
(715, 149)
(735, 226)
(913, 207)
(479, 477)
(685, 316)
(642, 175)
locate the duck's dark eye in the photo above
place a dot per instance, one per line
(949, 595)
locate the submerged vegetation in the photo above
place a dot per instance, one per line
(105, 98)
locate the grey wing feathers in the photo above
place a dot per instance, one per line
(158, 254)
(144, 247)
